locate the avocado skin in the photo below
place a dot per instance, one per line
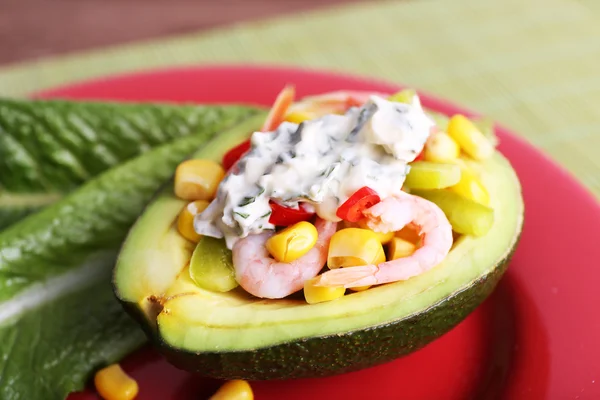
(315, 356)
(334, 354)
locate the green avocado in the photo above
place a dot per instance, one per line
(234, 335)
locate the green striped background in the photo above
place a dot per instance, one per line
(533, 65)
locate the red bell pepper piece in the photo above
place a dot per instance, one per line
(352, 102)
(420, 156)
(352, 209)
(233, 155)
(285, 216)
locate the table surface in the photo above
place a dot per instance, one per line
(30, 29)
(531, 66)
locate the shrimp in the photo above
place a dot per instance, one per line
(392, 214)
(261, 275)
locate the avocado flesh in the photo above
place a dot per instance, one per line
(155, 243)
(235, 335)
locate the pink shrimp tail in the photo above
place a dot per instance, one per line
(349, 277)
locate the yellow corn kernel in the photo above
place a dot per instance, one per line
(409, 234)
(399, 248)
(292, 242)
(112, 383)
(469, 137)
(440, 147)
(236, 389)
(351, 247)
(298, 116)
(318, 294)
(185, 221)
(383, 237)
(471, 187)
(198, 179)
(360, 288)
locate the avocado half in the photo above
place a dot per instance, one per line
(235, 335)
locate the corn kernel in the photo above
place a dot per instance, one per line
(409, 234)
(471, 187)
(383, 237)
(198, 179)
(185, 221)
(440, 147)
(318, 294)
(399, 248)
(371, 250)
(298, 117)
(236, 389)
(469, 137)
(292, 242)
(112, 383)
(486, 126)
(360, 288)
(351, 247)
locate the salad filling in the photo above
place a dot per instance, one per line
(373, 188)
(318, 165)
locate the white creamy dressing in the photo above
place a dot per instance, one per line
(319, 163)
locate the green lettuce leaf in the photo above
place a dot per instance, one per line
(51, 350)
(59, 319)
(50, 147)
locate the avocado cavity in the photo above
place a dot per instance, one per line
(207, 325)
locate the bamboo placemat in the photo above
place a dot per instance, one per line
(533, 65)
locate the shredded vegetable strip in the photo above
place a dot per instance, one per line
(277, 114)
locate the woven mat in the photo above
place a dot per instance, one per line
(532, 65)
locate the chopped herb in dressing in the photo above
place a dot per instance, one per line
(247, 200)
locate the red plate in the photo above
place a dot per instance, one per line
(534, 338)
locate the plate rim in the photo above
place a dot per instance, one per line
(583, 194)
